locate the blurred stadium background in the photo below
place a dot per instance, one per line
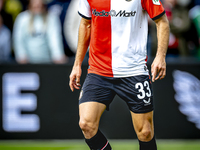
(38, 110)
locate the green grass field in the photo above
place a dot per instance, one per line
(80, 145)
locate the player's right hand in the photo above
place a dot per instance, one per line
(74, 82)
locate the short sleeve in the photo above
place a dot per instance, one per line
(84, 9)
(154, 8)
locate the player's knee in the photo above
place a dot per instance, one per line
(87, 126)
(83, 125)
(145, 135)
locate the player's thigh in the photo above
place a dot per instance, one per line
(143, 122)
(90, 113)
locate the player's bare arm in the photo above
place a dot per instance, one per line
(158, 67)
(83, 43)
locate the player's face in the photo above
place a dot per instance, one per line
(36, 6)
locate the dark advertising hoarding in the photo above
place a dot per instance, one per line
(36, 103)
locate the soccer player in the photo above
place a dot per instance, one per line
(116, 31)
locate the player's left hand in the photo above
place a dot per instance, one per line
(158, 68)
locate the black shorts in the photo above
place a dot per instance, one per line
(135, 91)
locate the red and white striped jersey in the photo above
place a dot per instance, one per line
(119, 35)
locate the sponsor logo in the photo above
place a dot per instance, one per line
(14, 102)
(187, 88)
(113, 13)
(156, 2)
(147, 102)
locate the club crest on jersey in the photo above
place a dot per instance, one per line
(156, 2)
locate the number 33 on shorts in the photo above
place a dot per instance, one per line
(144, 91)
